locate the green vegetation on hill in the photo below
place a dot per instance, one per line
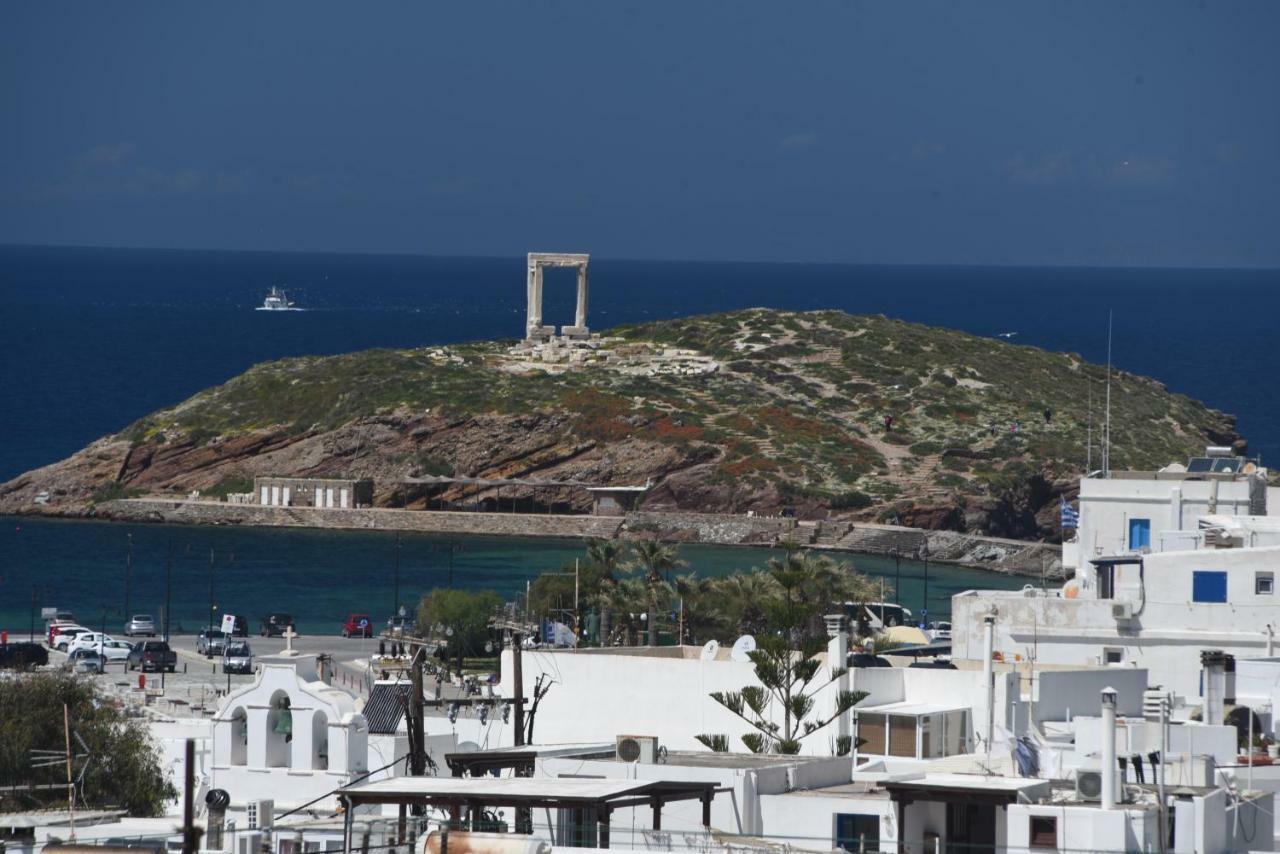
(797, 408)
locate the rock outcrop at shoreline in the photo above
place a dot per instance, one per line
(985, 435)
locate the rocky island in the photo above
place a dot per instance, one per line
(822, 414)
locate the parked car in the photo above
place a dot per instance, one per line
(237, 658)
(152, 655)
(398, 627)
(211, 642)
(63, 635)
(85, 660)
(359, 625)
(87, 640)
(274, 624)
(141, 624)
(21, 656)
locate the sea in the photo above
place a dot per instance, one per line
(95, 338)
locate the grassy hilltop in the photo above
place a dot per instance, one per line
(793, 417)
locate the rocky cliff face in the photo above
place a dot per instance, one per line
(984, 436)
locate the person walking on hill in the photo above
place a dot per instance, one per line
(888, 422)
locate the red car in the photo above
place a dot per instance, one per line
(357, 625)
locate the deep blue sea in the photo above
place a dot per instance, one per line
(95, 338)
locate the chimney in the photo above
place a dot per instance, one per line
(1214, 662)
(838, 659)
(988, 679)
(1108, 748)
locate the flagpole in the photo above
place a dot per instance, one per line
(1106, 436)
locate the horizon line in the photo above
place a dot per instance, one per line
(708, 261)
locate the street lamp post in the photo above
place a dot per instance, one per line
(924, 551)
(395, 609)
(897, 574)
(168, 591)
(128, 573)
(211, 605)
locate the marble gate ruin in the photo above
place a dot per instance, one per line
(534, 329)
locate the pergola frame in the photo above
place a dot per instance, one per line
(477, 798)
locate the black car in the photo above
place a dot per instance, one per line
(240, 629)
(151, 655)
(273, 625)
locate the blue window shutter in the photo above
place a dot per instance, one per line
(1139, 533)
(1208, 586)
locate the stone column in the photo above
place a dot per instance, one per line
(580, 315)
(533, 315)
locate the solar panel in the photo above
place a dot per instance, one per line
(1200, 464)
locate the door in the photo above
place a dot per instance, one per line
(971, 828)
(1139, 534)
(343, 498)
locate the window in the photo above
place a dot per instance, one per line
(858, 833)
(1112, 655)
(1264, 583)
(871, 730)
(1208, 586)
(902, 735)
(576, 828)
(1139, 534)
(1044, 832)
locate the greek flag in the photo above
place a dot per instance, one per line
(1070, 516)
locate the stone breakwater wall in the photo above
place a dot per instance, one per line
(718, 528)
(1013, 557)
(433, 522)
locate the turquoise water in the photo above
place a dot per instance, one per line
(320, 576)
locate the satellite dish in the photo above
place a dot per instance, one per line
(466, 747)
(741, 647)
(709, 650)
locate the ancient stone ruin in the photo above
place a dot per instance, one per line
(534, 329)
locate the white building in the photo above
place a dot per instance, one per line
(1166, 565)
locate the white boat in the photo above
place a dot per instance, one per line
(277, 301)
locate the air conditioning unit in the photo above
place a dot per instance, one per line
(1089, 785)
(1122, 610)
(249, 843)
(637, 748)
(258, 814)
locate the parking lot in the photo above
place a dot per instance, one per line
(198, 681)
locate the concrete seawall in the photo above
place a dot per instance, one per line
(1012, 557)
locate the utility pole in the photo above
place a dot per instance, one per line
(417, 733)
(71, 788)
(517, 673)
(190, 833)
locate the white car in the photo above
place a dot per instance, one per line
(114, 650)
(88, 640)
(66, 634)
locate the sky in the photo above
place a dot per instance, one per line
(999, 132)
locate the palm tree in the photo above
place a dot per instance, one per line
(699, 617)
(607, 556)
(741, 596)
(653, 558)
(626, 599)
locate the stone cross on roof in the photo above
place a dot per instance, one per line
(289, 634)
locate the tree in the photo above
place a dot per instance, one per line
(123, 770)
(700, 615)
(653, 559)
(625, 599)
(741, 597)
(606, 556)
(785, 660)
(462, 616)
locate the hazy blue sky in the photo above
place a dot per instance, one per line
(972, 131)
